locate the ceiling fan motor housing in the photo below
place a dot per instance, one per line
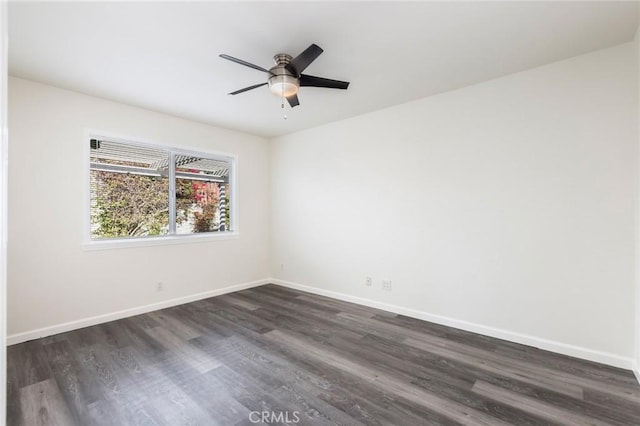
(283, 82)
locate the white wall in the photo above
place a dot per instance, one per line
(505, 207)
(52, 280)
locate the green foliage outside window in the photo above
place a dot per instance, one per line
(133, 205)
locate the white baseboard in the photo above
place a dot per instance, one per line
(538, 342)
(99, 319)
(636, 370)
(549, 345)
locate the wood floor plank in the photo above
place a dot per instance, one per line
(292, 307)
(234, 300)
(346, 307)
(536, 407)
(541, 372)
(611, 413)
(142, 341)
(270, 348)
(29, 364)
(189, 354)
(167, 320)
(300, 371)
(76, 385)
(360, 399)
(498, 369)
(431, 401)
(587, 369)
(478, 357)
(43, 405)
(431, 329)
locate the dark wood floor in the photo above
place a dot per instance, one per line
(301, 357)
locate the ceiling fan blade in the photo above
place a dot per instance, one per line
(245, 63)
(255, 86)
(293, 100)
(312, 81)
(303, 60)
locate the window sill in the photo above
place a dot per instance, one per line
(120, 243)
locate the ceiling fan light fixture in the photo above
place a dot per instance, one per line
(283, 85)
(286, 76)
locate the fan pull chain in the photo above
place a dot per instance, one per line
(282, 104)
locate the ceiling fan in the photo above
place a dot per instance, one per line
(286, 77)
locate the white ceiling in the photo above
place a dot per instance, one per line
(164, 56)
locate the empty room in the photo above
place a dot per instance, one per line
(320, 213)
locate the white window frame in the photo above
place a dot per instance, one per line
(112, 243)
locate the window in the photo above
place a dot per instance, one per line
(139, 190)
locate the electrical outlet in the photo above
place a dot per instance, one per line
(368, 281)
(159, 286)
(386, 285)
(281, 267)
